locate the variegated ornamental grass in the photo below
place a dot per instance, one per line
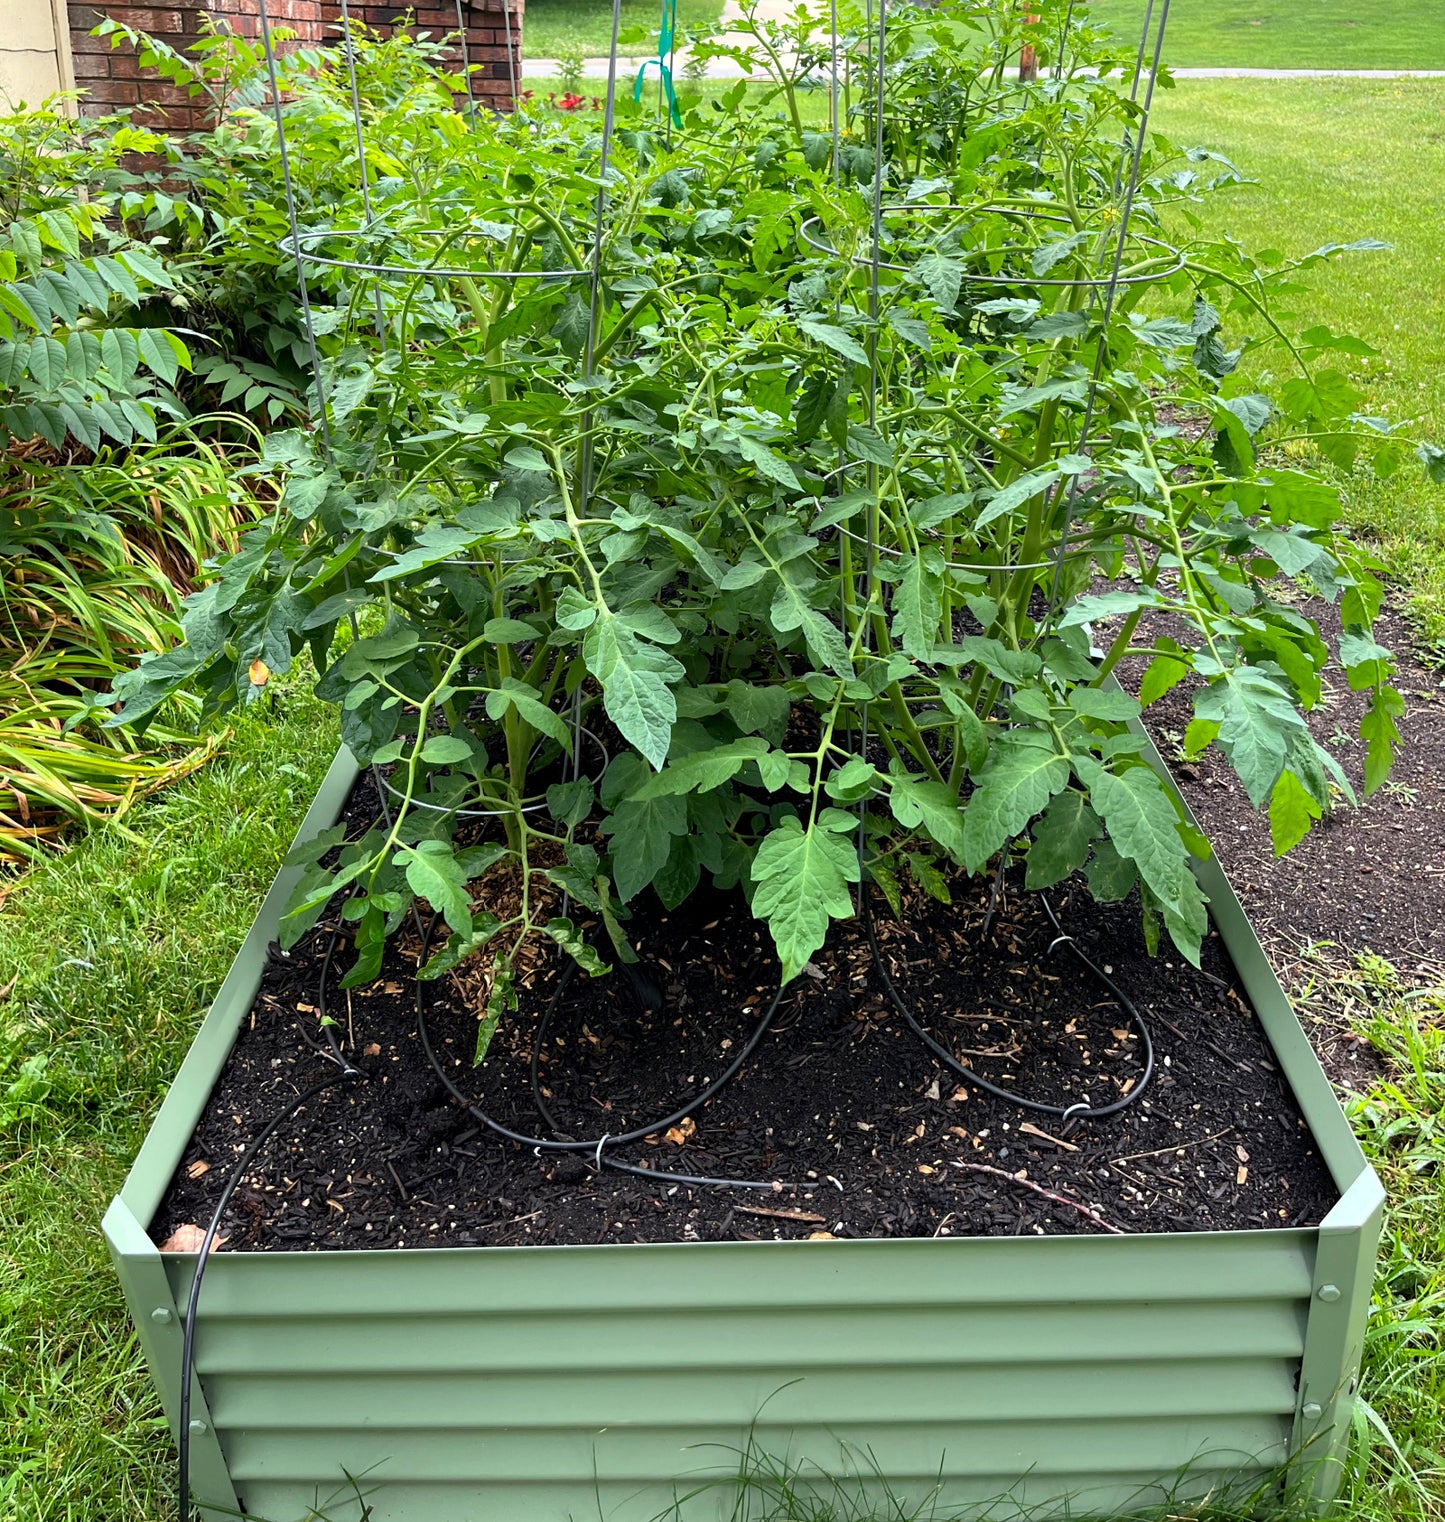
(112, 494)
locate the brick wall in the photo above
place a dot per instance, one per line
(112, 77)
(487, 27)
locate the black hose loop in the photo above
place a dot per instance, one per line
(346, 1074)
(600, 1146)
(1078, 1110)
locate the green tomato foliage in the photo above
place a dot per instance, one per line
(638, 616)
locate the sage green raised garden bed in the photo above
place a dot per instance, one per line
(538, 1384)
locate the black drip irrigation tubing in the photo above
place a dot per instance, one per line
(347, 1074)
(597, 1146)
(1081, 1110)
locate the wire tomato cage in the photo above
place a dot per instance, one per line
(1111, 235)
(303, 249)
(1168, 261)
(368, 247)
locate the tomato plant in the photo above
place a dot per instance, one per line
(847, 488)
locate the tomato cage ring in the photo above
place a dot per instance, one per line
(451, 562)
(1083, 550)
(302, 246)
(532, 804)
(813, 225)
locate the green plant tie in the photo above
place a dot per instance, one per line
(666, 34)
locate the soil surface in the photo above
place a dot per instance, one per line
(857, 1129)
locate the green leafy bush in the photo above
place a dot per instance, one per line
(79, 277)
(793, 530)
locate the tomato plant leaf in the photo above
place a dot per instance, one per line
(1016, 493)
(918, 603)
(800, 882)
(703, 770)
(758, 710)
(934, 806)
(571, 940)
(569, 803)
(517, 694)
(767, 462)
(434, 873)
(1143, 827)
(1015, 667)
(1381, 735)
(1110, 707)
(457, 948)
(641, 832)
(1062, 836)
(572, 324)
(834, 338)
(1023, 772)
(634, 687)
(792, 610)
(1163, 673)
(869, 445)
(943, 277)
(1255, 715)
(445, 750)
(1291, 812)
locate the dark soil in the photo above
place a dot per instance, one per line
(863, 1131)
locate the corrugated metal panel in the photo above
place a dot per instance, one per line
(706, 1495)
(1056, 1271)
(910, 1393)
(952, 1362)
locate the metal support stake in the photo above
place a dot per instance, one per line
(295, 226)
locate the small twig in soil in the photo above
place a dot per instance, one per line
(1218, 1051)
(1030, 1129)
(1131, 1157)
(396, 1179)
(1167, 1024)
(1048, 1194)
(782, 1215)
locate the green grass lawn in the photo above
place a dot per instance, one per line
(107, 958)
(1259, 34)
(1291, 34)
(117, 947)
(1400, 1121)
(1338, 160)
(552, 25)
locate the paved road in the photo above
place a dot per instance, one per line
(1293, 73)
